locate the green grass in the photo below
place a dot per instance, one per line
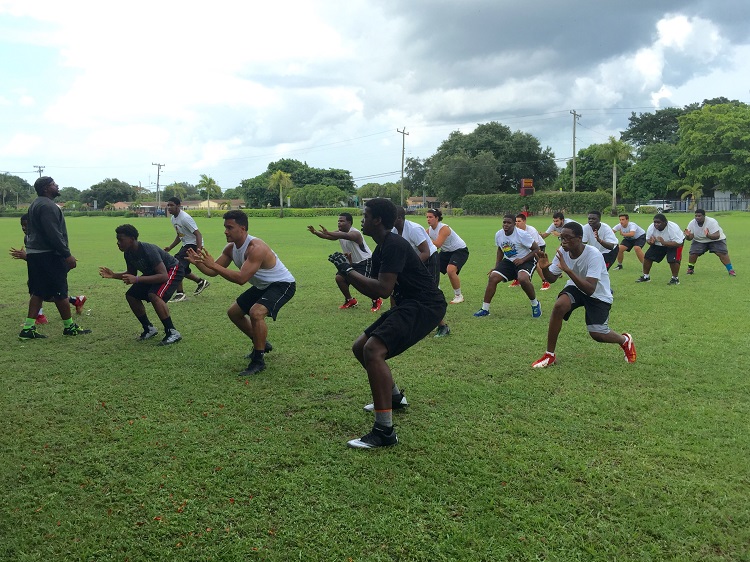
(118, 450)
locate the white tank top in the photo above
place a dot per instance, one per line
(349, 247)
(452, 243)
(263, 277)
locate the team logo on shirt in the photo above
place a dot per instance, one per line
(509, 250)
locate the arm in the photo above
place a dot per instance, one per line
(424, 251)
(202, 259)
(587, 284)
(198, 238)
(604, 243)
(256, 255)
(442, 236)
(173, 244)
(382, 287)
(544, 265)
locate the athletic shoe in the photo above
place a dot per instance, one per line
(547, 360)
(148, 333)
(515, 283)
(376, 304)
(536, 310)
(202, 284)
(674, 281)
(41, 319)
(253, 368)
(618, 266)
(79, 302)
(351, 303)
(398, 402)
(643, 279)
(31, 334)
(443, 331)
(732, 273)
(75, 330)
(178, 297)
(481, 312)
(172, 337)
(545, 285)
(691, 271)
(629, 348)
(378, 437)
(457, 299)
(269, 349)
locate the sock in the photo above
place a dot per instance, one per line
(691, 266)
(729, 266)
(395, 390)
(41, 312)
(29, 323)
(646, 276)
(534, 302)
(72, 300)
(258, 355)
(168, 326)
(552, 353)
(486, 306)
(384, 418)
(457, 292)
(68, 323)
(145, 322)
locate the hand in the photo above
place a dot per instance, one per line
(311, 228)
(71, 262)
(323, 229)
(561, 259)
(129, 279)
(106, 272)
(342, 264)
(687, 232)
(542, 261)
(167, 248)
(18, 254)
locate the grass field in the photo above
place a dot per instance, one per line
(114, 449)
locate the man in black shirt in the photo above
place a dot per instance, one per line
(419, 307)
(162, 274)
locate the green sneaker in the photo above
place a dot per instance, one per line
(30, 334)
(75, 330)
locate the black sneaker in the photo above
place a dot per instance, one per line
(269, 349)
(202, 284)
(618, 266)
(443, 331)
(378, 437)
(398, 402)
(643, 279)
(674, 281)
(253, 368)
(148, 333)
(31, 334)
(172, 337)
(75, 330)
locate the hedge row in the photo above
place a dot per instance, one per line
(541, 203)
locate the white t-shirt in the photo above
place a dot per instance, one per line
(535, 235)
(605, 233)
(414, 234)
(552, 228)
(185, 227)
(671, 233)
(358, 254)
(515, 245)
(589, 264)
(699, 232)
(630, 227)
(452, 243)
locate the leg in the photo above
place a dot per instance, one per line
(561, 308)
(491, 289)
(639, 253)
(160, 307)
(647, 263)
(621, 254)
(526, 285)
(609, 337)
(35, 305)
(136, 305)
(374, 353)
(675, 268)
(343, 287)
(452, 273)
(724, 258)
(193, 277)
(63, 307)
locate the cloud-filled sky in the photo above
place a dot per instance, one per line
(92, 90)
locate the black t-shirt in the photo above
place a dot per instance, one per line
(147, 257)
(414, 281)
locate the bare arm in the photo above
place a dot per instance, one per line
(442, 236)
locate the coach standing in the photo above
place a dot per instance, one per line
(48, 260)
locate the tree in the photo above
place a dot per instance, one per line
(650, 128)
(281, 182)
(208, 188)
(69, 194)
(653, 174)
(693, 192)
(389, 190)
(15, 187)
(615, 151)
(592, 173)
(109, 190)
(301, 174)
(175, 190)
(415, 176)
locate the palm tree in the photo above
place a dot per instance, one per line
(615, 151)
(283, 182)
(208, 187)
(694, 192)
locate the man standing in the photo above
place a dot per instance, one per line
(48, 260)
(602, 237)
(161, 273)
(272, 283)
(558, 220)
(666, 240)
(419, 307)
(707, 236)
(587, 286)
(633, 238)
(355, 248)
(190, 237)
(516, 259)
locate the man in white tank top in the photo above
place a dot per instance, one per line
(354, 247)
(272, 283)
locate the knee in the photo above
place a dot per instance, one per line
(374, 350)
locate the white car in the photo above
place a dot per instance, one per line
(661, 205)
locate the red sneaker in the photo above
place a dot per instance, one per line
(349, 304)
(41, 319)
(545, 285)
(376, 304)
(547, 360)
(80, 301)
(515, 283)
(629, 348)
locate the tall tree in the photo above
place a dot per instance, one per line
(615, 151)
(654, 173)
(592, 173)
(692, 192)
(111, 190)
(280, 182)
(415, 176)
(208, 188)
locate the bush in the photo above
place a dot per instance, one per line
(541, 203)
(647, 209)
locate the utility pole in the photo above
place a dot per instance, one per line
(575, 119)
(158, 174)
(403, 153)
(39, 169)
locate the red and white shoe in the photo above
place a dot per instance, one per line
(80, 301)
(515, 283)
(376, 304)
(545, 285)
(41, 319)
(547, 360)
(629, 348)
(351, 303)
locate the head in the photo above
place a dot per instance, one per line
(173, 206)
(624, 219)
(595, 219)
(571, 237)
(345, 222)
(47, 187)
(660, 221)
(127, 237)
(434, 216)
(378, 211)
(25, 223)
(558, 219)
(400, 218)
(521, 221)
(700, 216)
(235, 226)
(509, 223)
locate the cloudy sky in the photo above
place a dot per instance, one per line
(91, 90)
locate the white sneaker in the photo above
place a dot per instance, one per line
(172, 337)
(178, 297)
(457, 299)
(148, 333)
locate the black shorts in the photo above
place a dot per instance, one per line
(272, 297)
(657, 253)
(597, 312)
(433, 266)
(611, 256)
(715, 247)
(181, 256)
(509, 271)
(48, 275)
(630, 241)
(164, 291)
(457, 258)
(405, 324)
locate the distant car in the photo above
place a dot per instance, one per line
(661, 205)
